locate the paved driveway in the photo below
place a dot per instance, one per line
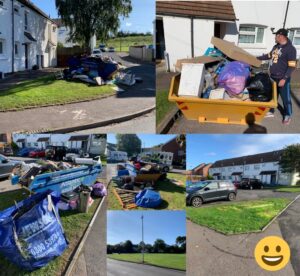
(260, 194)
(118, 268)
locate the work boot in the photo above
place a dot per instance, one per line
(286, 120)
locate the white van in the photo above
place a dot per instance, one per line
(117, 156)
(162, 157)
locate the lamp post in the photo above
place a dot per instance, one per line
(143, 245)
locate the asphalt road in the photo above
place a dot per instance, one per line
(118, 268)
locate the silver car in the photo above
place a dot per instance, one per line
(6, 166)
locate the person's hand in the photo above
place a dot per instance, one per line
(281, 83)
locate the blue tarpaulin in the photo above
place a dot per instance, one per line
(148, 199)
(31, 232)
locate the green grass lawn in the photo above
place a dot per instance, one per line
(122, 44)
(178, 177)
(293, 189)
(175, 261)
(238, 217)
(48, 91)
(173, 196)
(163, 106)
(74, 225)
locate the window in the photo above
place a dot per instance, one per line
(16, 49)
(26, 20)
(247, 168)
(16, 10)
(1, 3)
(294, 36)
(1, 47)
(251, 34)
(213, 186)
(54, 29)
(256, 167)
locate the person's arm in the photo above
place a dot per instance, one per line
(266, 56)
(292, 61)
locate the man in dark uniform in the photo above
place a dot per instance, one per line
(283, 62)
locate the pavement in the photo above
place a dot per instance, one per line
(272, 125)
(234, 254)
(134, 100)
(118, 268)
(145, 122)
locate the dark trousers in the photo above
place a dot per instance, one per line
(285, 95)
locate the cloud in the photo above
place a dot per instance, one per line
(128, 24)
(211, 154)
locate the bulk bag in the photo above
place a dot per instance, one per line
(31, 232)
(148, 199)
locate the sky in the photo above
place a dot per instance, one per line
(140, 19)
(148, 140)
(166, 225)
(206, 148)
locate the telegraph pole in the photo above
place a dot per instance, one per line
(143, 244)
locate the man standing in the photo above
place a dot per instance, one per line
(283, 63)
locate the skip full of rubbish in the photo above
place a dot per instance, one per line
(135, 184)
(224, 73)
(97, 71)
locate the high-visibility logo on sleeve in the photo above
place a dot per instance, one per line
(292, 63)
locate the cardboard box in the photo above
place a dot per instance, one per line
(201, 59)
(192, 79)
(235, 52)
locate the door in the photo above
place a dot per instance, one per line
(273, 179)
(160, 39)
(26, 56)
(211, 191)
(217, 32)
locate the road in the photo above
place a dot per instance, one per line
(118, 268)
(143, 124)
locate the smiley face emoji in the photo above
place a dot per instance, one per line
(272, 253)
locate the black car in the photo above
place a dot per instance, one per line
(210, 190)
(251, 183)
(56, 152)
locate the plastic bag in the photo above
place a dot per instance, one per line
(31, 232)
(260, 88)
(148, 199)
(234, 77)
(99, 190)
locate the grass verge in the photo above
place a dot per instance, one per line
(174, 261)
(172, 195)
(47, 90)
(238, 217)
(289, 189)
(163, 106)
(74, 224)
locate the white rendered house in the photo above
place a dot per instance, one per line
(28, 37)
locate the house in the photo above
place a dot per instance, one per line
(94, 144)
(263, 166)
(184, 28)
(179, 153)
(28, 37)
(64, 33)
(202, 170)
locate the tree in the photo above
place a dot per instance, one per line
(181, 242)
(290, 159)
(86, 18)
(128, 246)
(129, 143)
(159, 246)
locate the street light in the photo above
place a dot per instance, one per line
(143, 245)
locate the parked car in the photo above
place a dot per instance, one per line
(7, 165)
(102, 47)
(7, 151)
(56, 152)
(251, 183)
(111, 49)
(38, 153)
(72, 154)
(97, 53)
(24, 152)
(210, 190)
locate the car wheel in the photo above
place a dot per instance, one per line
(251, 187)
(231, 196)
(197, 201)
(166, 169)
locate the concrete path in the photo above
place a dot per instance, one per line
(145, 123)
(211, 253)
(118, 268)
(135, 99)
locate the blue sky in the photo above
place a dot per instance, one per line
(206, 148)
(140, 19)
(148, 140)
(126, 225)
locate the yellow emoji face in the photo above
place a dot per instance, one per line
(272, 253)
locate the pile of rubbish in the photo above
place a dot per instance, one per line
(97, 71)
(224, 73)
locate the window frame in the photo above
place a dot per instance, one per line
(16, 10)
(296, 34)
(251, 33)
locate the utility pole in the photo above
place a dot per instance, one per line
(12, 37)
(143, 244)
